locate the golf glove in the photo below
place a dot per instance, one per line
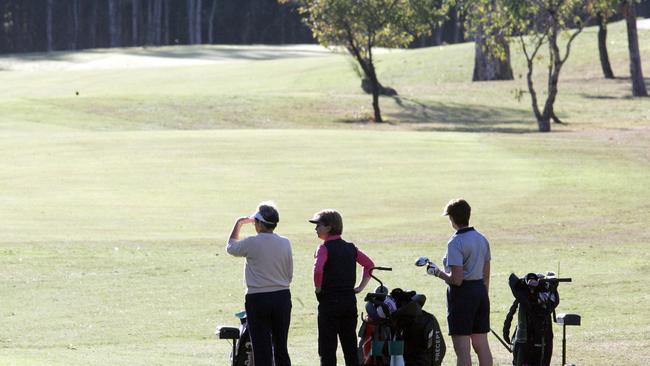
(432, 269)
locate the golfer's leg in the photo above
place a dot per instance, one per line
(348, 337)
(280, 328)
(482, 349)
(327, 326)
(257, 312)
(463, 350)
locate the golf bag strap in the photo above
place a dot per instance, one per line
(508, 322)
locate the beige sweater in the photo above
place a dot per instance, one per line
(269, 261)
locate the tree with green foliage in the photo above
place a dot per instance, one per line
(485, 23)
(540, 22)
(360, 26)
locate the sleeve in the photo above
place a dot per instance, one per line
(319, 265)
(365, 262)
(488, 254)
(237, 248)
(290, 266)
(454, 253)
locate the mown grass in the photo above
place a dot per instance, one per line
(115, 204)
(270, 90)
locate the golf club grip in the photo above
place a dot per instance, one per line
(382, 268)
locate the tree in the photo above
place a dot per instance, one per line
(628, 8)
(48, 24)
(485, 22)
(362, 25)
(198, 9)
(544, 21)
(213, 10)
(604, 9)
(114, 23)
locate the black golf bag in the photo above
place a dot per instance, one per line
(242, 350)
(396, 326)
(536, 298)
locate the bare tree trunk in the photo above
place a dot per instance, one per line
(375, 95)
(368, 68)
(458, 26)
(191, 5)
(148, 23)
(437, 35)
(636, 71)
(157, 22)
(135, 13)
(3, 36)
(166, 22)
(213, 12)
(75, 24)
(197, 22)
(602, 46)
(555, 65)
(487, 65)
(48, 24)
(114, 23)
(92, 22)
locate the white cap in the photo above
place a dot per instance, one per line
(258, 216)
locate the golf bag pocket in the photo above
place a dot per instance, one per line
(377, 348)
(396, 348)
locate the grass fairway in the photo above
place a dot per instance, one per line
(115, 204)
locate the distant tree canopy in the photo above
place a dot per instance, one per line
(46, 25)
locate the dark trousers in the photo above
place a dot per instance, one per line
(337, 317)
(269, 316)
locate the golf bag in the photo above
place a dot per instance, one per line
(396, 331)
(242, 350)
(536, 298)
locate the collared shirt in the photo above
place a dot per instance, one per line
(470, 249)
(321, 258)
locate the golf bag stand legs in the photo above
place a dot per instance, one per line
(232, 334)
(564, 320)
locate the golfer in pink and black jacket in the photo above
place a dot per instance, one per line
(334, 279)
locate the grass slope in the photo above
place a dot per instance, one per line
(115, 202)
(263, 88)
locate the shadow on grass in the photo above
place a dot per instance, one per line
(235, 53)
(202, 52)
(619, 80)
(456, 117)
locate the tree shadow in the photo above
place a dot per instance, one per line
(436, 116)
(260, 53)
(200, 52)
(619, 80)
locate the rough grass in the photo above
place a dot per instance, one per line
(115, 204)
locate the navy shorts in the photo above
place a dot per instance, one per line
(468, 308)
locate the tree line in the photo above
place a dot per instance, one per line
(52, 25)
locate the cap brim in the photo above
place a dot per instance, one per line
(313, 221)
